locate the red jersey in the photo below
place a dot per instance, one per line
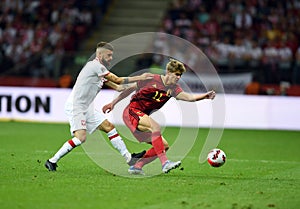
(153, 94)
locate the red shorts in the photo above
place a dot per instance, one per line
(131, 118)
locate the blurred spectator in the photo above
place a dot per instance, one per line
(270, 62)
(243, 20)
(296, 68)
(202, 15)
(223, 50)
(167, 24)
(47, 63)
(237, 55)
(285, 61)
(254, 56)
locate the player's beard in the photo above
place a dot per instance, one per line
(105, 63)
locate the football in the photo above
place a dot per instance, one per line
(216, 157)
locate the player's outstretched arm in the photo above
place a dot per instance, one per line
(110, 106)
(118, 87)
(124, 80)
(195, 97)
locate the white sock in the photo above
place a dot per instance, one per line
(67, 147)
(119, 144)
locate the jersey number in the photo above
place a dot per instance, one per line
(157, 96)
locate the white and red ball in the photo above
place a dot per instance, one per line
(216, 157)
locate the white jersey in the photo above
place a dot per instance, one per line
(88, 84)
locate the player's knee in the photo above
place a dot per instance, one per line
(106, 126)
(155, 128)
(83, 139)
(81, 135)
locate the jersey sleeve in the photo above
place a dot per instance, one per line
(103, 71)
(177, 89)
(141, 84)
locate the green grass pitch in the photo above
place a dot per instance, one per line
(262, 171)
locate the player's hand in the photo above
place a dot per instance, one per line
(147, 76)
(108, 107)
(210, 94)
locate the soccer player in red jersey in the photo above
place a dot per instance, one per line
(151, 95)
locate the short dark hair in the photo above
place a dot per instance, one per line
(105, 45)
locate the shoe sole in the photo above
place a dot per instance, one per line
(49, 167)
(174, 167)
(136, 172)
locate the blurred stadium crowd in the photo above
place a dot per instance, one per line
(38, 33)
(259, 36)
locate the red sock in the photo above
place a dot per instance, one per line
(149, 156)
(159, 148)
(150, 153)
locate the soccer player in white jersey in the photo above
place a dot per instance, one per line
(80, 110)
